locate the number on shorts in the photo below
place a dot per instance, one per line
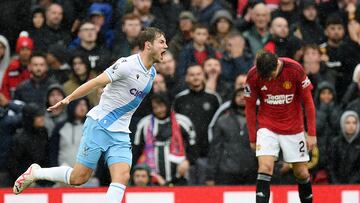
(302, 146)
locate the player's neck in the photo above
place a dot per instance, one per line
(146, 60)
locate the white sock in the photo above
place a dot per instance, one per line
(56, 174)
(115, 193)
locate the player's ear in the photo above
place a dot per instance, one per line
(147, 45)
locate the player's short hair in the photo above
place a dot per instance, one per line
(266, 63)
(149, 34)
(334, 19)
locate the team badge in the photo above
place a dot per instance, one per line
(287, 85)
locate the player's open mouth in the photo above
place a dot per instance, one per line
(163, 53)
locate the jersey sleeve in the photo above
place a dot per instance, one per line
(117, 71)
(251, 95)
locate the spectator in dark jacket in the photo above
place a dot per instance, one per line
(32, 90)
(52, 32)
(231, 160)
(353, 90)
(199, 105)
(10, 120)
(204, 10)
(99, 56)
(30, 142)
(125, 40)
(344, 159)
(288, 10)
(186, 23)
(237, 58)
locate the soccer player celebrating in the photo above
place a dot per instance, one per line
(281, 86)
(106, 129)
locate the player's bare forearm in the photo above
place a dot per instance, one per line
(90, 85)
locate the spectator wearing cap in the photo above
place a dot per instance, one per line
(52, 32)
(308, 27)
(204, 10)
(57, 58)
(55, 93)
(166, 14)
(221, 26)
(258, 34)
(99, 56)
(32, 89)
(349, 54)
(4, 56)
(186, 23)
(125, 39)
(18, 71)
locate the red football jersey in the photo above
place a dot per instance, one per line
(281, 98)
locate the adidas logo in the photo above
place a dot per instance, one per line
(263, 88)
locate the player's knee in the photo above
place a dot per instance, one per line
(266, 168)
(79, 179)
(301, 174)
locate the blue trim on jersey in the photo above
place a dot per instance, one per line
(117, 113)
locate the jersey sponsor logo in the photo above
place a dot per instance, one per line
(287, 85)
(137, 93)
(247, 90)
(264, 88)
(305, 83)
(279, 99)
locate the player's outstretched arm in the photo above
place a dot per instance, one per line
(83, 90)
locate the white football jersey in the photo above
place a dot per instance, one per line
(130, 83)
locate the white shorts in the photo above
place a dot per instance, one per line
(293, 147)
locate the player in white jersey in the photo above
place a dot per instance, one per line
(106, 129)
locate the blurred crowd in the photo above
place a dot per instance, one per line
(191, 128)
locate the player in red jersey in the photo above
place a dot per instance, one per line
(281, 86)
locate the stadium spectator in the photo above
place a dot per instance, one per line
(99, 56)
(343, 161)
(183, 37)
(349, 55)
(55, 93)
(214, 82)
(169, 134)
(288, 10)
(142, 8)
(281, 42)
(335, 33)
(30, 142)
(197, 51)
(353, 90)
(4, 56)
(52, 32)
(81, 72)
(237, 59)
(166, 14)
(37, 21)
(204, 10)
(258, 34)
(57, 59)
(174, 83)
(221, 26)
(199, 105)
(10, 120)
(125, 40)
(32, 89)
(231, 160)
(18, 68)
(308, 28)
(141, 176)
